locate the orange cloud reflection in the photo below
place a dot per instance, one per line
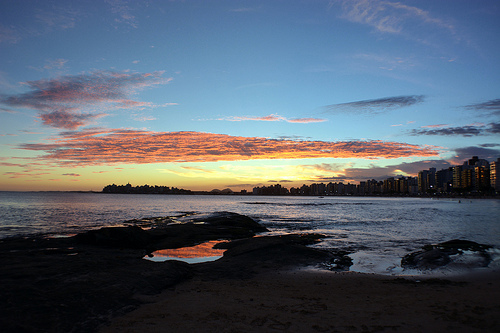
(198, 251)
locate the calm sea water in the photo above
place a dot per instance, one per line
(378, 230)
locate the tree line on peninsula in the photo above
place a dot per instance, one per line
(144, 189)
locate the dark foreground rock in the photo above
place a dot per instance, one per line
(190, 231)
(246, 257)
(78, 283)
(452, 252)
(54, 285)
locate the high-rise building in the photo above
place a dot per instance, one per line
(457, 177)
(481, 178)
(494, 175)
(422, 181)
(426, 180)
(444, 180)
(389, 185)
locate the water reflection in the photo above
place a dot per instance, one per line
(193, 254)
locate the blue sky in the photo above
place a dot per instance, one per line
(216, 94)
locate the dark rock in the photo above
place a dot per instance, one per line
(439, 255)
(127, 237)
(340, 262)
(221, 225)
(229, 219)
(60, 285)
(459, 245)
(246, 257)
(78, 283)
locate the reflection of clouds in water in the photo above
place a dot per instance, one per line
(191, 254)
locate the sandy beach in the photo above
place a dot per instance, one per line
(312, 301)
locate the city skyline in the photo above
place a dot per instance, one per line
(474, 176)
(236, 94)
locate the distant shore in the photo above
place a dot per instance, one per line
(249, 194)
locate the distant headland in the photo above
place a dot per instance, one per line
(144, 189)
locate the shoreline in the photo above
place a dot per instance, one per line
(249, 194)
(98, 280)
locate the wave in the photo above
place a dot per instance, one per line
(309, 203)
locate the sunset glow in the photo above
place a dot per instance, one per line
(202, 95)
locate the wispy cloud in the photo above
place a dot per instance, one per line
(491, 106)
(274, 117)
(390, 17)
(386, 62)
(57, 65)
(436, 126)
(123, 11)
(58, 17)
(63, 15)
(244, 9)
(8, 35)
(198, 169)
(373, 106)
(306, 120)
(119, 146)
(68, 120)
(30, 132)
(22, 174)
(293, 137)
(7, 110)
(38, 21)
(407, 123)
(467, 130)
(68, 101)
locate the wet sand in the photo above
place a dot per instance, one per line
(312, 301)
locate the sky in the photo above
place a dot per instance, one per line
(237, 94)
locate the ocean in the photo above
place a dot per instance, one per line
(377, 230)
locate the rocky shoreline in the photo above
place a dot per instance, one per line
(80, 283)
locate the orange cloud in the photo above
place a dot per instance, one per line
(26, 173)
(121, 146)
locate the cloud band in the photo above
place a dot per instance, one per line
(117, 146)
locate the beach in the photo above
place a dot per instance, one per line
(312, 301)
(99, 281)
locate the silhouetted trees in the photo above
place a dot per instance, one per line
(144, 189)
